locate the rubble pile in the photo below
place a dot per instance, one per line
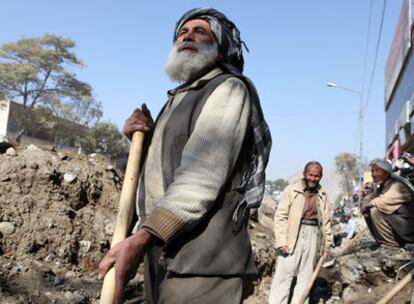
(367, 275)
(57, 215)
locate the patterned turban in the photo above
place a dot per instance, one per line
(226, 33)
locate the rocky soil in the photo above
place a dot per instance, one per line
(57, 213)
(57, 216)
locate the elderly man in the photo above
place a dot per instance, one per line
(389, 210)
(203, 169)
(302, 213)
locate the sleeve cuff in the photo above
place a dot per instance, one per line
(164, 224)
(280, 243)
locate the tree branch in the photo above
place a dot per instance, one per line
(41, 89)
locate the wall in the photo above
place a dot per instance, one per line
(4, 116)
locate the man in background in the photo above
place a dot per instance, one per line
(302, 226)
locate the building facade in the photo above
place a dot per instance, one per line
(399, 87)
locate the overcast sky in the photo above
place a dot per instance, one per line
(296, 47)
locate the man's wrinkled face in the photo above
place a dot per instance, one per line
(197, 31)
(312, 176)
(194, 50)
(379, 175)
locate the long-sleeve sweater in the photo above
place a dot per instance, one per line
(207, 159)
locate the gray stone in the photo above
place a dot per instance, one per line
(62, 156)
(23, 268)
(350, 268)
(73, 297)
(38, 264)
(8, 266)
(50, 257)
(7, 228)
(11, 152)
(5, 178)
(85, 246)
(58, 281)
(69, 178)
(70, 275)
(110, 228)
(32, 148)
(18, 269)
(64, 252)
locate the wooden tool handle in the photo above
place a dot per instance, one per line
(125, 212)
(397, 288)
(312, 280)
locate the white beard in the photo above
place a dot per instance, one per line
(184, 66)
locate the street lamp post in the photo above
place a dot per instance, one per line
(361, 130)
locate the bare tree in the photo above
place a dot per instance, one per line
(34, 72)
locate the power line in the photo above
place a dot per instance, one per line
(367, 47)
(376, 53)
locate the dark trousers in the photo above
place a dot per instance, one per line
(380, 229)
(163, 287)
(338, 238)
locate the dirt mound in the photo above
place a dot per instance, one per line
(57, 215)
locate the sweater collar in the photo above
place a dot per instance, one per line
(196, 83)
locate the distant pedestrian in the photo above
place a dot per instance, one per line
(302, 213)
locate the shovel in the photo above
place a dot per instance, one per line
(126, 208)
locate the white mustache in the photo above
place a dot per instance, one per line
(189, 44)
